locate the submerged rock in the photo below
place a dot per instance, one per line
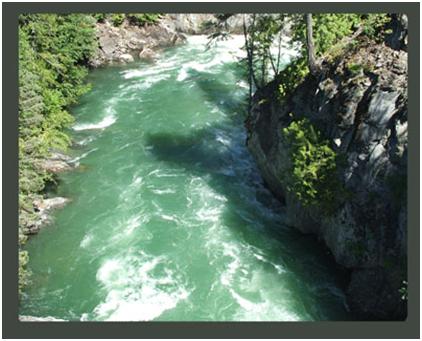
(51, 203)
(57, 163)
(126, 58)
(147, 54)
(43, 209)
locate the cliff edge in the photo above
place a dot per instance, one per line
(359, 107)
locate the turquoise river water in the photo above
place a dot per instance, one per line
(169, 218)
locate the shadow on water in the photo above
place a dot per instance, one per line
(200, 154)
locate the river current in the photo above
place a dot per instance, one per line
(169, 218)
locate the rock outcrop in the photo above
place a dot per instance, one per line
(128, 42)
(42, 209)
(124, 44)
(57, 162)
(360, 106)
(202, 23)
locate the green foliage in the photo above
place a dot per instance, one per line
(23, 271)
(292, 76)
(141, 19)
(329, 30)
(355, 68)
(99, 17)
(53, 50)
(312, 177)
(261, 35)
(117, 19)
(374, 25)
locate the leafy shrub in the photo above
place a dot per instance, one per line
(312, 178)
(292, 76)
(355, 68)
(141, 19)
(100, 17)
(374, 25)
(117, 19)
(23, 272)
(328, 32)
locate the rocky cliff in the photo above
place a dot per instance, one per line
(359, 104)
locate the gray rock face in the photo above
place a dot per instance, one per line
(364, 115)
(121, 44)
(200, 23)
(189, 23)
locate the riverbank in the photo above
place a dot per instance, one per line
(106, 43)
(127, 42)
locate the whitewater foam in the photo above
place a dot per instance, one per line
(86, 241)
(104, 123)
(135, 292)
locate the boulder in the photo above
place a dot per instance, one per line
(43, 209)
(147, 54)
(126, 58)
(50, 203)
(57, 163)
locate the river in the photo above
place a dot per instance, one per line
(169, 218)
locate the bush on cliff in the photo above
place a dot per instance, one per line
(117, 19)
(312, 177)
(141, 19)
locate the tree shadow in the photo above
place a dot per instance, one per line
(251, 210)
(221, 94)
(217, 152)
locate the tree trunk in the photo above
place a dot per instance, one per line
(313, 68)
(249, 45)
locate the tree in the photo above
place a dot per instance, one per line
(313, 68)
(53, 51)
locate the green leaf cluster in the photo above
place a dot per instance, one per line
(312, 177)
(138, 19)
(329, 30)
(117, 19)
(141, 19)
(53, 52)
